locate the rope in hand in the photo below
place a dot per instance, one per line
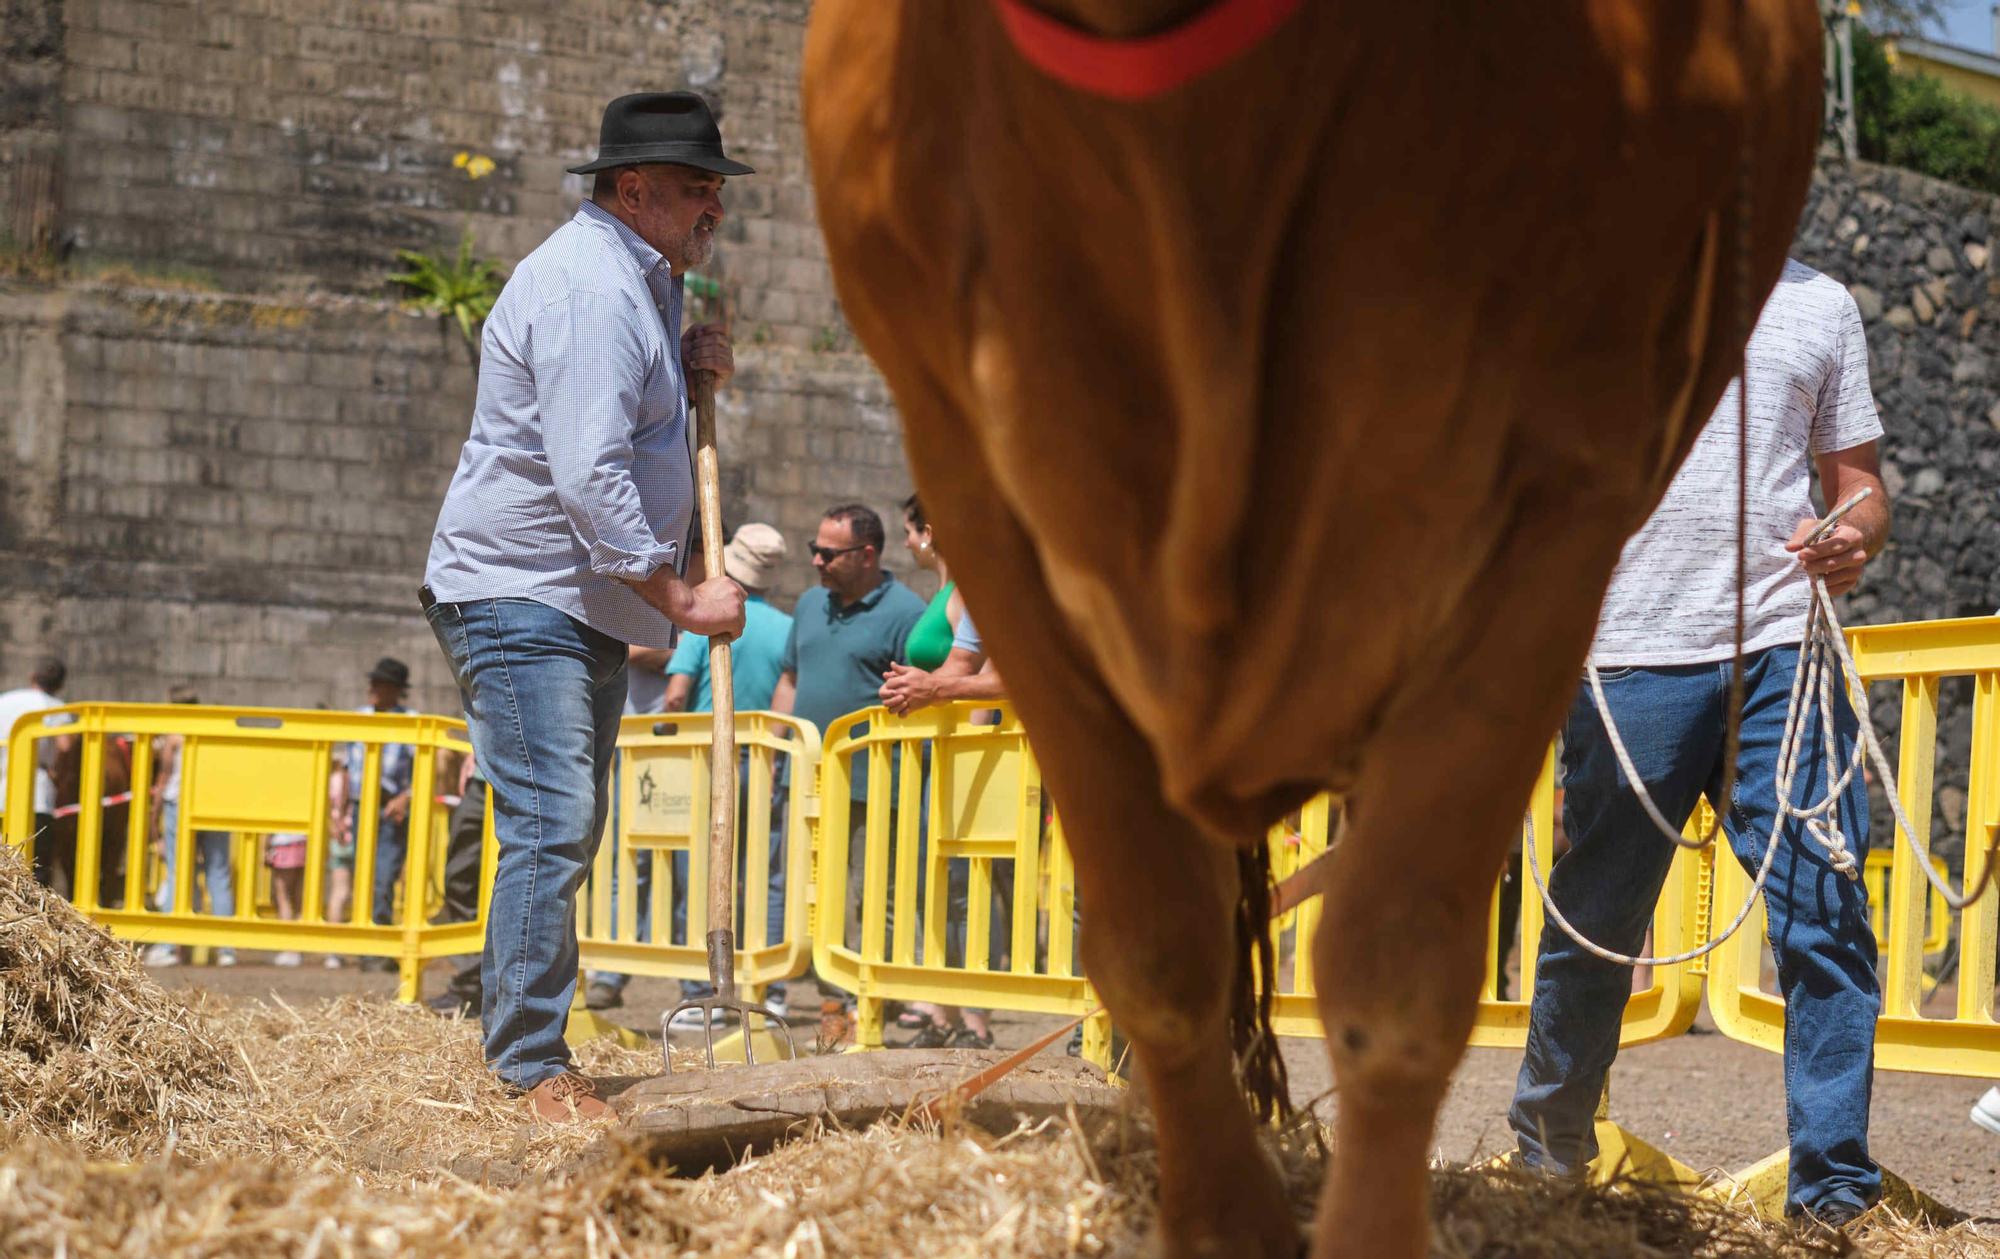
(1823, 653)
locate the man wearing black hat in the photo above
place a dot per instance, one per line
(563, 539)
(388, 683)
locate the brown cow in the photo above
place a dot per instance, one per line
(1291, 374)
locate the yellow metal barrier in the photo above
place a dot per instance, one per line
(1911, 920)
(251, 771)
(1937, 919)
(1966, 1039)
(1665, 1007)
(661, 809)
(943, 789)
(250, 852)
(984, 804)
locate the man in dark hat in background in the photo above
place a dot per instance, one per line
(388, 684)
(563, 540)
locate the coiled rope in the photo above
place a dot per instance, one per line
(1822, 653)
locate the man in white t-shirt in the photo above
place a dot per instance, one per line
(40, 694)
(1664, 646)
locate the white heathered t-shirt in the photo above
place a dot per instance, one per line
(1673, 598)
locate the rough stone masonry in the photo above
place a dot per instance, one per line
(1918, 256)
(226, 440)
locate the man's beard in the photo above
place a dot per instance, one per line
(700, 245)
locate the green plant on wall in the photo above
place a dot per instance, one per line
(459, 288)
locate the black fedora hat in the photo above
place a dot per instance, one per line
(652, 127)
(391, 670)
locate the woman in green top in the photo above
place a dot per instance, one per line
(930, 638)
(926, 648)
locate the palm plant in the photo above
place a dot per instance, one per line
(461, 289)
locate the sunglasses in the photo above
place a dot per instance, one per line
(828, 554)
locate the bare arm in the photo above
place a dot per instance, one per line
(680, 692)
(163, 768)
(1839, 557)
(786, 691)
(963, 675)
(714, 607)
(336, 793)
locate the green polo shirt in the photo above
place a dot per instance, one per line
(839, 652)
(755, 659)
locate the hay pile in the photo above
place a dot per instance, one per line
(357, 1128)
(91, 1051)
(388, 1094)
(886, 1191)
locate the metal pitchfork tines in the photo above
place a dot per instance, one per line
(721, 775)
(722, 973)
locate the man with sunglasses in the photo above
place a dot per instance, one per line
(846, 632)
(849, 629)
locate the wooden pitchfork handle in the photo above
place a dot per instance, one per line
(722, 750)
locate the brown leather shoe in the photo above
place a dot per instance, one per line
(562, 1098)
(836, 1026)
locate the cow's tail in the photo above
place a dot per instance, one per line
(1259, 1066)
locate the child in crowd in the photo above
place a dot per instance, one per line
(285, 854)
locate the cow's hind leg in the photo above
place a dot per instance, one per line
(1401, 949)
(1158, 898)
(1159, 946)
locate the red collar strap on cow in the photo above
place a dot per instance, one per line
(1134, 69)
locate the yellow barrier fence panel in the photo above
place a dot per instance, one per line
(1937, 917)
(1979, 923)
(945, 789)
(255, 772)
(660, 813)
(1665, 1007)
(1913, 1033)
(977, 791)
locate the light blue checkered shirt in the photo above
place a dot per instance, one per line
(579, 469)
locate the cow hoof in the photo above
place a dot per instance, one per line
(1244, 1221)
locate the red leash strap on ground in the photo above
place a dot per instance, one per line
(1134, 69)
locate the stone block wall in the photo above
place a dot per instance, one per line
(227, 441)
(238, 491)
(31, 69)
(230, 491)
(285, 145)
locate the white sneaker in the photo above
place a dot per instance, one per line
(287, 958)
(774, 1001)
(333, 961)
(161, 955)
(1986, 1111)
(225, 957)
(689, 1021)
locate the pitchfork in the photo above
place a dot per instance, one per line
(721, 776)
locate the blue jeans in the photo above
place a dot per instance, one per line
(1673, 722)
(212, 850)
(392, 845)
(543, 693)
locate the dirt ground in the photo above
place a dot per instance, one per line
(1709, 1101)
